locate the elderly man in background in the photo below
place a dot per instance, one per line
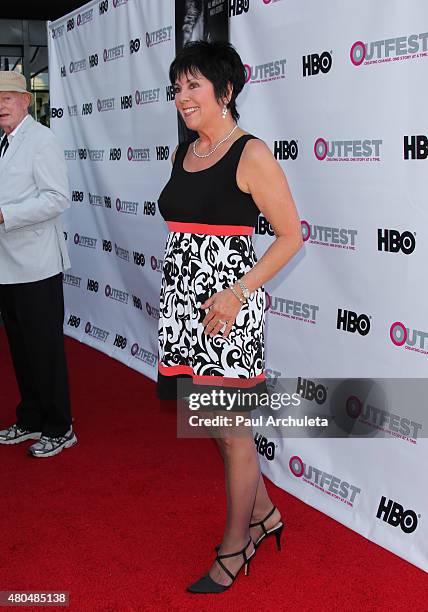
(34, 191)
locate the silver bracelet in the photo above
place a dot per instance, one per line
(235, 293)
(244, 289)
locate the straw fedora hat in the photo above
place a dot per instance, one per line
(13, 81)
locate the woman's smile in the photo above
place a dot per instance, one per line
(189, 110)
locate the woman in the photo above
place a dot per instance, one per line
(212, 296)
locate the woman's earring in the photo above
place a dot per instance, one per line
(224, 111)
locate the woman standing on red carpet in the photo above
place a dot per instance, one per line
(212, 299)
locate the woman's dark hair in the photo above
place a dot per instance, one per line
(218, 62)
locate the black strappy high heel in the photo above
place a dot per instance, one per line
(276, 530)
(207, 585)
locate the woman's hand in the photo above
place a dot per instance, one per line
(223, 310)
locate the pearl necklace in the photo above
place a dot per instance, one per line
(215, 148)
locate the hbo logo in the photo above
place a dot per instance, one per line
(126, 102)
(395, 515)
(120, 341)
(310, 391)
(237, 7)
(284, 149)
(57, 113)
(107, 246)
(170, 93)
(313, 64)
(103, 7)
(115, 154)
(149, 208)
(264, 448)
(93, 60)
(87, 108)
(263, 227)
(416, 147)
(137, 302)
(139, 259)
(392, 241)
(92, 285)
(134, 45)
(162, 153)
(74, 321)
(77, 196)
(351, 322)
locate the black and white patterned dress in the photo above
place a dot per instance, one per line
(209, 246)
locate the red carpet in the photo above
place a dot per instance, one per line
(128, 517)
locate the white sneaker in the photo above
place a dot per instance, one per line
(15, 434)
(48, 447)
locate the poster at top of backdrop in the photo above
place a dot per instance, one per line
(198, 20)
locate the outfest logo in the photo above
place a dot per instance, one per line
(408, 47)
(264, 73)
(152, 311)
(144, 355)
(113, 53)
(157, 264)
(77, 65)
(58, 31)
(126, 206)
(105, 104)
(159, 36)
(70, 154)
(146, 96)
(85, 241)
(138, 155)
(376, 417)
(334, 486)
(291, 309)
(70, 279)
(412, 339)
(116, 294)
(121, 252)
(323, 235)
(96, 332)
(85, 17)
(366, 150)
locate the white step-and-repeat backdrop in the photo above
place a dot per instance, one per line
(338, 93)
(113, 108)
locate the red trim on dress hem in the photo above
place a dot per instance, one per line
(221, 381)
(210, 230)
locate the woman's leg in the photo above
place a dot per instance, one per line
(262, 503)
(242, 474)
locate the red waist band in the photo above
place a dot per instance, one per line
(220, 381)
(210, 230)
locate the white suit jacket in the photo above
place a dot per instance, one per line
(34, 190)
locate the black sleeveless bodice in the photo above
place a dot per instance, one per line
(209, 196)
